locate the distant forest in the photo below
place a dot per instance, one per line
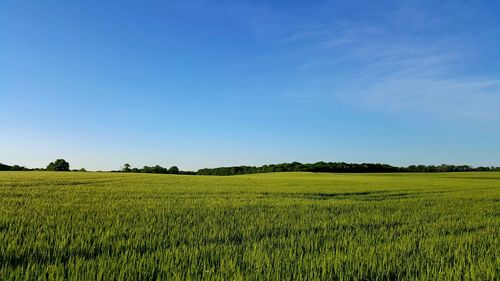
(339, 167)
(4, 167)
(58, 165)
(154, 170)
(319, 167)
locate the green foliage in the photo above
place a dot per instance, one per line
(126, 168)
(4, 167)
(276, 226)
(337, 167)
(58, 165)
(155, 170)
(173, 170)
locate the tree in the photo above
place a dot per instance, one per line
(126, 168)
(58, 165)
(173, 170)
(4, 167)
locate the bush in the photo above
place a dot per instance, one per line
(58, 165)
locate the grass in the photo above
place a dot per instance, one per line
(290, 226)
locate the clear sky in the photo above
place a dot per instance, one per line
(216, 83)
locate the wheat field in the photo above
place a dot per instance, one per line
(277, 226)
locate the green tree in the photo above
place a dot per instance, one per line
(126, 168)
(58, 165)
(4, 167)
(173, 170)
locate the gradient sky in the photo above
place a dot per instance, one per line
(217, 83)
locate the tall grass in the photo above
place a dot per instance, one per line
(290, 226)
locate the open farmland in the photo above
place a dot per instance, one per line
(289, 226)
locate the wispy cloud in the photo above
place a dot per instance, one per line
(391, 56)
(478, 99)
(412, 60)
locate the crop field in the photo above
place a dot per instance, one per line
(279, 226)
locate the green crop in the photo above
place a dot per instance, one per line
(282, 226)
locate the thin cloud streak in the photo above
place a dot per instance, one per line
(389, 68)
(439, 97)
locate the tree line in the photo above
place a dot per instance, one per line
(339, 167)
(127, 168)
(58, 165)
(4, 167)
(318, 167)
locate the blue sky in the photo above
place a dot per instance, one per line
(216, 83)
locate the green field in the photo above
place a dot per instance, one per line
(288, 226)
